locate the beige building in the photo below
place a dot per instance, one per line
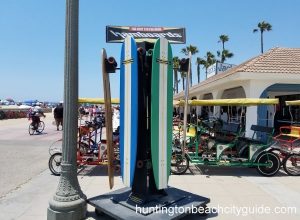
(274, 74)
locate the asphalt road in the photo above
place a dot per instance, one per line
(23, 156)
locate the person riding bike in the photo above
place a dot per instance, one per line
(35, 114)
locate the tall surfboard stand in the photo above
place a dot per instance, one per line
(145, 199)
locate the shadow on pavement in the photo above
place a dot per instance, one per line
(101, 170)
(228, 171)
(88, 170)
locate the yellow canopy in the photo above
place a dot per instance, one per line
(97, 100)
(229, 102)
(295, 102)
(177, 103)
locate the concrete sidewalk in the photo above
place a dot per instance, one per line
(228, 188)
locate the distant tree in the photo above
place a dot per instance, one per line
(224, 55)
(193, 50)
(199, 62)
(175, 70)
(262, 27)
(208, 61)
(222, 39)
(210, 58)
(183, 76)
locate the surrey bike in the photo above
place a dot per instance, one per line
(226, 145)
(91, 148)
(287, 144)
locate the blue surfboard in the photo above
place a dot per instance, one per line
(128, 109)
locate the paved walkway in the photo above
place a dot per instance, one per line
(23, 156)
(234, 192)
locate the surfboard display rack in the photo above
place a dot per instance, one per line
(117, 205)
(146, 105)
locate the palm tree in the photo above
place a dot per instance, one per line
(224, 55)
(175, 69)
(262, 27)
(210, 58)
(223, 38)
(183, 75)
(208, 61)
(193, 50)
(199, 62)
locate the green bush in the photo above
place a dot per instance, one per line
(2, 115)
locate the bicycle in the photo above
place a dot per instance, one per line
(54, 163)
(89, 150)
(36, 124)
(37, 127)
(291, 164)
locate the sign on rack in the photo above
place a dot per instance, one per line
(117, 34)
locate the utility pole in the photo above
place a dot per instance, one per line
(68, 202)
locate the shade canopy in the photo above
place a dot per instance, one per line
(228, 102)
(97, 100)
(295, 102)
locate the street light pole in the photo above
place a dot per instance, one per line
(68, 201)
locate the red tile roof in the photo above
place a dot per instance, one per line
(276, 60)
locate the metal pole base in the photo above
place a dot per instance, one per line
(68, 201)
(73, 210)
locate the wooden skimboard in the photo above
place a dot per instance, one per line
(161, 112)
(128, 110)
(108, 121)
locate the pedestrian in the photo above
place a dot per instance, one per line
(97, 111)
(224, 116)
(58, 116)
(81, 112)
(91, 112)
(86, 110)
(34, 114)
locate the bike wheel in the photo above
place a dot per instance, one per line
(179, 163)
(291, 165)
(31, 129)
(41, 127)
(268, 157)
(55, 163)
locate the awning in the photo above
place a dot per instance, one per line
(295, 102)
(228, 102)
(97, 100)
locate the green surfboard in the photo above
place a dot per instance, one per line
(161, 112)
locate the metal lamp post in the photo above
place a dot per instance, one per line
(68, 201)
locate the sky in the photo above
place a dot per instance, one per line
(32, 37)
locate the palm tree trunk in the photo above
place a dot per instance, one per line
(176, 80)
(261, 42)
(198, 73)
(191, 77)
(182, 83)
